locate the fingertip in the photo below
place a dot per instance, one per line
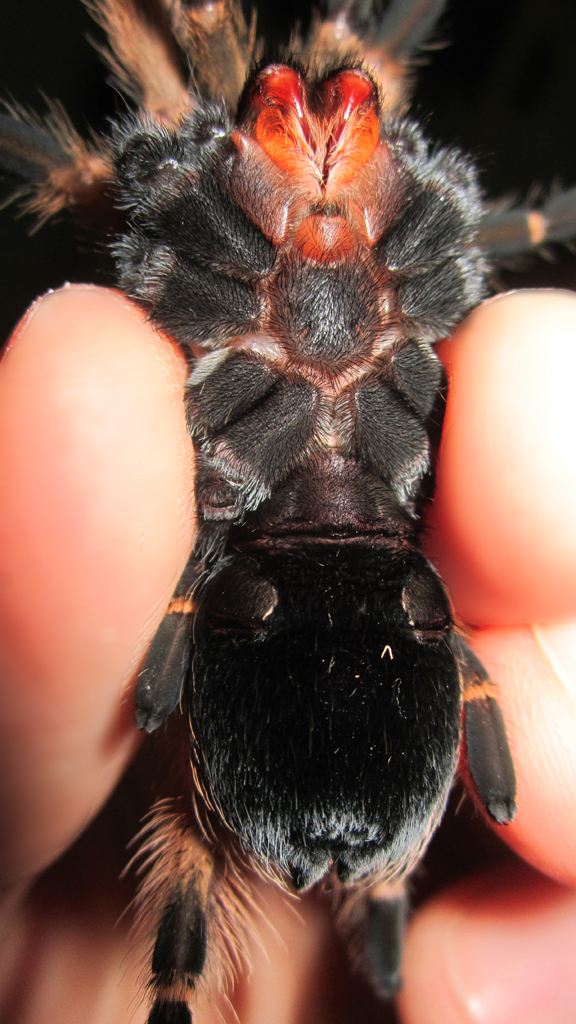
(504, 534)
(539, 710)
(95, 526)
(505, 541)
(495, 949)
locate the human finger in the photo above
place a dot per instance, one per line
(538, 700)
(95, 527)
(503, 520)
(497, 948)
(505, 543)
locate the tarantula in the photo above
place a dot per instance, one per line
(302, 241)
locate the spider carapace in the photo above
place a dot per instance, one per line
(306, 246)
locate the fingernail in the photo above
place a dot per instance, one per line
(517, 969)
(558, 642)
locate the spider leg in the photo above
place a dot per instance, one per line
(218, 42)
(373, 920)
(387, 912)
(175, 893)
(387, 41)
(143, 55)
(514, 231)
(162, 676)
(161, 679)
(55, 167)
(405, 25)
(488, 753)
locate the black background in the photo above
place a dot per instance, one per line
(503, 87)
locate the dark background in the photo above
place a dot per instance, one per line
(503, 87)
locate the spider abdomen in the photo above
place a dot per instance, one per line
(316, 732)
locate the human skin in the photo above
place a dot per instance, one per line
(96, 521)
